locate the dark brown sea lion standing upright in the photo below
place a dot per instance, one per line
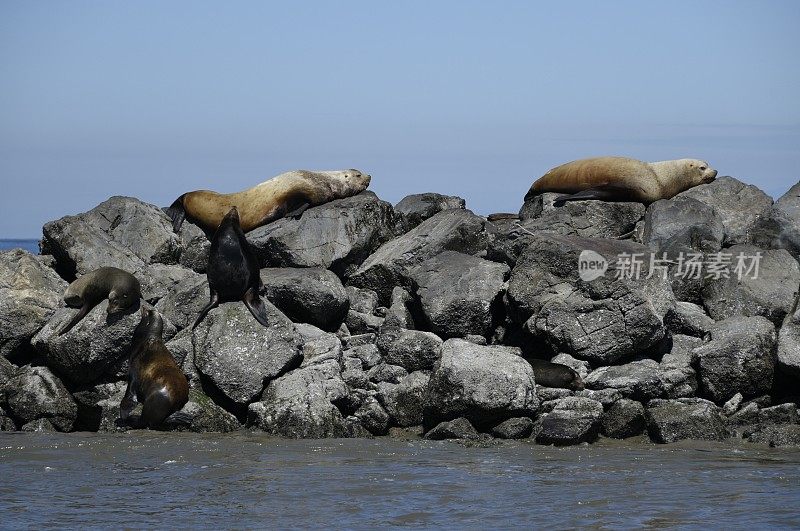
(121, 288)
(622, 179)
(154, 378)
(288, 194)
(232, 271)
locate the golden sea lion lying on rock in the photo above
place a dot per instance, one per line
(622, 179)
(288, 194)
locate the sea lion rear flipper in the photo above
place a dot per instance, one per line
(78, 316)
(177, 212)
(602, 193)
(214, 302)
(256, 306)
(297, 212)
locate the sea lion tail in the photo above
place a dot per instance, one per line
(177, 212)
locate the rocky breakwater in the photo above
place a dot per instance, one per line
(420, 320)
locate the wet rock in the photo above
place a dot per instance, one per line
(684, 418)
(39, 426)
(780, 227)
(91, 347)
(625, 418)
(453, 230)
(98, 406)
(310, 295)
(771, 293)
(300, 404)
(780, 414)
(603, 321)
(399, 312)
(416, 208)
(182, 305)
(778, 436)
(485, 384)
(573, 420)
(35, 393)
(460, 294)
(122, 232)
(338, 235)
(207, 417)
(30, 293)
(373, 417)
(639, 380)
(411, 349)
(516, 428)
(363, 323)
(688, 319)
(740, 206)
(159, 280)
(740, 358)
(789, 344)
(384, 372)
(404, 401)
(743, 422)
(238, 355)
(362, 300)
(6, 422)
(459, 428)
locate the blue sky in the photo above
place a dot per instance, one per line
(477, 99)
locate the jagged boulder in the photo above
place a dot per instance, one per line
(453, 230)
(160, 280)
(460, 294)
(688, 319)
(416, 208)
(411, 349)
(207, 416)
(30, 293)
(404, 401)
(399, 312)
(625, 418)
(485, 384)
(35, 393)
(373, 417)
(98, 406)
(311, 295)
(572, 420)
(183, 303)
(238, 355)
(740, 206)
(337, 235)
(770, 290)
(740, 358)
(676, 372)
(92, 347)
(780, 227)
(684, 418)
(639, 380)
(516, 428)
(604, 320)
(459, 428)
(789, 344)
(121, 231)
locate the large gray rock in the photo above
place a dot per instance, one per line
(786, 435)
(689, 319)
(453, 230)
(460, 294)
(740, 358)
(160, 280)
(310, 295)
(459, 428)
(770, 291)
(625, 418)
(301, 404)
(780, 227)
(98, 406)
(605, 320)
(30, 293)
(338, 235)
(676, 372)
(740, 206)
(92, 347)
(399, 312)
(239, 355)
(373, 417)
(362, 300)
(416, 208)
(639, 380)
(684, 418)
(789, 344)
(411, 349)
(207, 417)
(183, 303)
(572, 420)
(404, 401)
(196, 246)
(122, 232)
(485, 384)
(36, 393)
(516, 428)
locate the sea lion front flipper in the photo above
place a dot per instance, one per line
(179, 419)
(128, 402)
(213, 303)
(78, 316)
(297, 212)
(256, 306)
(177, 212)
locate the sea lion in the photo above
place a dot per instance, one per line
(232, 270)
(153, 376)
(287, 195)
(555, 375)
(622, 179)
(121, 288)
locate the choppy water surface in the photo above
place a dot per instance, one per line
(146, 479)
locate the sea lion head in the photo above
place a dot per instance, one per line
(119, 301)
(151, 325)
(350, 182)
(576, 384)
(699, 171)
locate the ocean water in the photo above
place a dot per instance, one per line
(244, 480)
(29, 245)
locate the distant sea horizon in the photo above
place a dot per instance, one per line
(29, 244)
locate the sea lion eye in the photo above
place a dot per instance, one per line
(702, 168)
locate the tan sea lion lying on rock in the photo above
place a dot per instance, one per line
(622, 179)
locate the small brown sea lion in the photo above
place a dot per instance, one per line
(287, 195)
(622, 179)
(232, 271)
(121, 288)
(555, 375)
(154, 378)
